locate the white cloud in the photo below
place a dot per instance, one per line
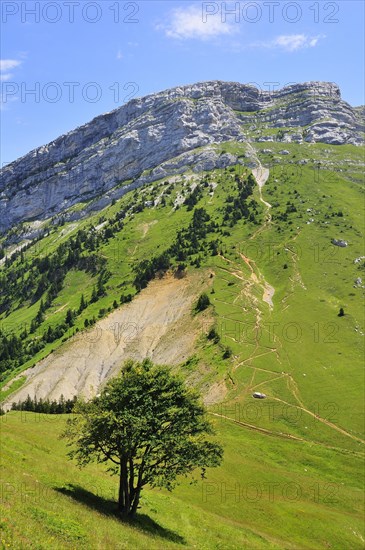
(291, 42)
(187, 23)
(313, 42)
(120, 55)
(7, 65)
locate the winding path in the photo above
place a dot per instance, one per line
(261, 175)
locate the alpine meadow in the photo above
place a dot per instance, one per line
(182, 326)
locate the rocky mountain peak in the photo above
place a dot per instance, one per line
(163, 133)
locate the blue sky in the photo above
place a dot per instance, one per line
(64, 62)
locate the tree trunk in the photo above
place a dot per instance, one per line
(124, 497)
(135, 503)
(121, 501)
(129, 495)
(127, 500)
(131, 479)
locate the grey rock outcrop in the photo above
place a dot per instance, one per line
(160, 134)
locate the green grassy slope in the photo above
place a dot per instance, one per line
(295, 458)
(269, 493)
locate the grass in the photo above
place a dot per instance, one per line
(293, 469)
(16, 384)
(252, 501)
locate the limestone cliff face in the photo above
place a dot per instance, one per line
(157, 135)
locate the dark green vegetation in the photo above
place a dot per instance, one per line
(32, 282)
(46, 406)
(148, 427)
(203, 302)
(292, 476)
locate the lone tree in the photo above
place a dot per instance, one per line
(203, 302)
(148, 426)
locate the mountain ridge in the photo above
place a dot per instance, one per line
(156, 135)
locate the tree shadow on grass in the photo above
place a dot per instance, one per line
(109, 508)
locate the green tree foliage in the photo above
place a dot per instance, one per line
(11, 349)
(70, 316)
(125, 298)
(94, 296)
(102, 279)
(28, 279)
(147, 269)
(213, 335)
(40, 315)
(188, 242)
(203, 302)
(148, 427)
(62, 406)
(193, 198)
(83, 304)
(227, 353)
(236, 206)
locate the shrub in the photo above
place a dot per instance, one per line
(203, 302)
(213, 335)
